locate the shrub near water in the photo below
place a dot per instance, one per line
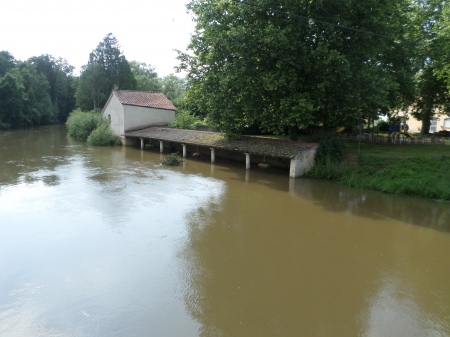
(172, 160)
(80, 124)
(91, 127)
(185, 120)
(328, 156)
(103, 136)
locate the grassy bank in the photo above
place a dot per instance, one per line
(419, 170)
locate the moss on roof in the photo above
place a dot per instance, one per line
(274, 148)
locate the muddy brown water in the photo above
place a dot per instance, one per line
(106, 242)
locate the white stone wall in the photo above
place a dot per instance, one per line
(114, 109)
(303, 162)
(137, 117)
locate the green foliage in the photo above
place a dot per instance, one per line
(38, 91)
(259, 64)
(11, 102)
(107, 67)
(430, 36)
(382, 125)
(185, 120)
(103, 136)
(7, 62)
(80, 124)
(425, 177)
(174, 89)
(172, 159)
(442, 32)
(146, 77)
(59, 74)
(422, 171)
(329, 170)
(331, 149)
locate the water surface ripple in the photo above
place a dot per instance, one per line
(106, 242)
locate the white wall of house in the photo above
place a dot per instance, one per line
(137, 117)
(114, 110)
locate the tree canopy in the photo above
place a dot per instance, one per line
(107, 68)
(146, 77)
(38, 91)
(427, 32)
(287, 64)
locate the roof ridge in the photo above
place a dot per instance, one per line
(151, 99)
(138, 91)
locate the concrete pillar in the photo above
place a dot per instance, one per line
(247, 161)
(213, 155)
(142, 143)
(161, 146)
(127, 141)
(292, 185)
(302, 163)
(247, 176)
(184, 150)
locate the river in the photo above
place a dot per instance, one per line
(106, 242)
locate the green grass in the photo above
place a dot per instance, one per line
(397, 151)
(417, 170)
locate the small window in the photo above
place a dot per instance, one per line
(447, 123)
(434, 123)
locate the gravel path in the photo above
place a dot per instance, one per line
(254, 145)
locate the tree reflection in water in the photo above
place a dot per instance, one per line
(323, 260)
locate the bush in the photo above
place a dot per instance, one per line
(80, 124)
(382, 125)
(185, 120)
(172, 160)
(331, 149)
(103, 136)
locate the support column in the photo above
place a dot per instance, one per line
(184, 150)
(142, 143)
(302, 163)
(161, 146)
(213, 155)
(247, 161)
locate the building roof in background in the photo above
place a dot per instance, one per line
(148, 99)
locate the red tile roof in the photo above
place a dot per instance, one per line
(149, 99)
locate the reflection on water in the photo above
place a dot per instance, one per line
(263, 264)
(106, 242)
(336, 198)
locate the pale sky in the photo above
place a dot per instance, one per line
(147, 30)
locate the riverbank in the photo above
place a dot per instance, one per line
(421, 170)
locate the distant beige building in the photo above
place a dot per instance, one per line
(130, 110)
(439, 123)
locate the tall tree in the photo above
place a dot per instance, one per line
(174, 88)
(442, 30)
(106, 69)
(93, 87)
(287, 64)
(7, 62)
(59, 74)
(146, 77)
(11, 104)
(431, 94)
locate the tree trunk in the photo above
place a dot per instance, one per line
(292, 133)
(426, 123)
